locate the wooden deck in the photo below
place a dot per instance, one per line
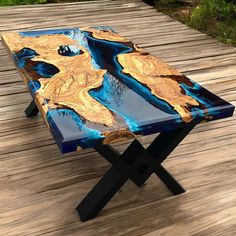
(40, 188)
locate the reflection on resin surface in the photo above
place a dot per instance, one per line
(94, 86)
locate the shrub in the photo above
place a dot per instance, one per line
(20, 2)
(209, 9)
(165, 3)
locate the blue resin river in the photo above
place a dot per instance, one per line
(141, 111)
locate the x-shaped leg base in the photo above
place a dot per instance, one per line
(136, 164)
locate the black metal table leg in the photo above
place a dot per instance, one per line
(136, 164)
(107, 186)
(166, 142)
(168, 180)
(100, 195)
(31, 110)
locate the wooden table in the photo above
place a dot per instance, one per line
(94, 87)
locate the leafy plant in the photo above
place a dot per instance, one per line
(214, 17)
(212, 9)
(166, 2)
(20, 2)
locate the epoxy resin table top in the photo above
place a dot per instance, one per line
(94, 86)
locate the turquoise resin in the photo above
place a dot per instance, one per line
(133, 104)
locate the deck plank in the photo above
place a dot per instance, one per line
(40, 187)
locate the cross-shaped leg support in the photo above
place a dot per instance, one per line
(136, 164)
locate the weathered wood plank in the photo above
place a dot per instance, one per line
(40, 187)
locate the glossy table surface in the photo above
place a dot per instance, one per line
(94, 86)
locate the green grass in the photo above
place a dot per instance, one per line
(20, 2)
(25, 2)
(217, 18)
(214, 17)
(223, 31)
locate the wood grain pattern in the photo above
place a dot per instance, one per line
(40, 187)
(110, 36)
(58, 90)
(144, 68)
(89, 82)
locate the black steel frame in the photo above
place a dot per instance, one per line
(136, 163)
(31, 110)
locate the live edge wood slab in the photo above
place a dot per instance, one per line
(94, 87)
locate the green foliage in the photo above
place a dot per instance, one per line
(225, 32)
(214, 17)
(207, 10)
(217, 18)
(24, 2)
(165, 2)
(20, 2)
